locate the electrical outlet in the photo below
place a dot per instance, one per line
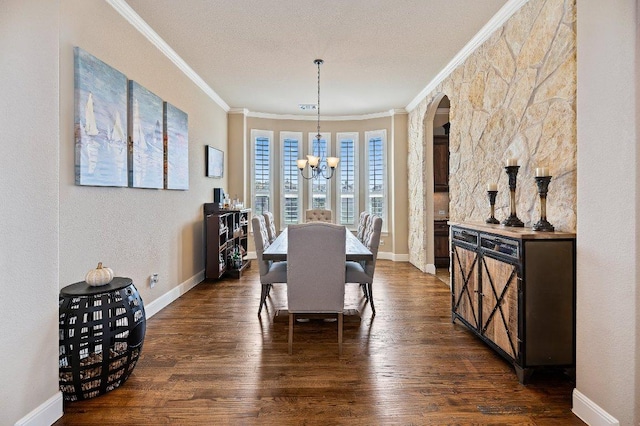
(442, 212)
(381, 242)
(153, 280)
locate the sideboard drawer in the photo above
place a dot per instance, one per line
(502, 245)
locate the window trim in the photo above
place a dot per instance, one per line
(311, 137)
(298, 136)
(268, 134)
(355, 136)
(368, 135)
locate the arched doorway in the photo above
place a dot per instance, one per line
(436, 198)
(441, 127)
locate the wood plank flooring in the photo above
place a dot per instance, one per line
(208, 359)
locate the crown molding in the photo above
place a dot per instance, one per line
(139, 24)
(243, 111)
(485, 32)
(271, 116)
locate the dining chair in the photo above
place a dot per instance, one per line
(270, 272)
(318, 215)
(271, 226)
(362, 273)
(362, 224)
(316, 273)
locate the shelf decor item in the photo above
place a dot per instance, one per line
(512, 171)
(492, 191)
(542, 180)
(99, 276)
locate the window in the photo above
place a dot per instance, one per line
(291, 188)
(320, 189)
(262, 187)
(375, 163)
(347, 179)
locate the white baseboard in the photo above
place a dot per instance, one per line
(431, 269)
(590, 412)
(387, 255)
(45, 414)
(163, 301)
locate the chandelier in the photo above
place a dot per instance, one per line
(318, 165)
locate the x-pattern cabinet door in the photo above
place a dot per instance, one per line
(500, 304)
(465, 285)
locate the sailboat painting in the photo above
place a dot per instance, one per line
(100, 137)
(177, 148)
(146, 156)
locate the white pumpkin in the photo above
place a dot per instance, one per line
(99, 276)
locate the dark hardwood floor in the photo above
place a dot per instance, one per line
(208, 359)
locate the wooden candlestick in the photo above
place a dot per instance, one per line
(492, 202)
(512, 220)
(543, 188)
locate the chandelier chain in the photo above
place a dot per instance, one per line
(318, 62)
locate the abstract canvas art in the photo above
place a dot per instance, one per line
(99, 122)
(146, 156)
(176, 147)
(215, 162)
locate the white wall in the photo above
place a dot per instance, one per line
(53, 231)
(29, 209)
(607, 319)
(136, 232)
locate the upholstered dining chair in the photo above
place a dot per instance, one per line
(270, 272)
(362, 224)
(362, 273)
(318, 215)
(271, 226)
(315, 272)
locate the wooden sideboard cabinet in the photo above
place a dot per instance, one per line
(226, 232)
(516, 289)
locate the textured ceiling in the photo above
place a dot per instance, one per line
(258, 54)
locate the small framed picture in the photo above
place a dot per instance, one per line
(215, 162)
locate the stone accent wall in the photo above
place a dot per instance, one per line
(515, 96)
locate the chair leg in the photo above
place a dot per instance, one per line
(291, 321)
(370, 291)
(340, 318)
(364, 290)
(263, 297)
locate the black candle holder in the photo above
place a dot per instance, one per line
(492, 202)
(512, 220)
(543, 188)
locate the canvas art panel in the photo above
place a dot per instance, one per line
(146, 155)
(100, 93)
(215, 162)
(176, 148)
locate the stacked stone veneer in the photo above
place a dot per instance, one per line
(514, 96)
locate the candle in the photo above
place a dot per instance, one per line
(542, 172)
(512, 162)
(492, 187)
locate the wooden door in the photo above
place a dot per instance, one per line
(500, 304)
(441, 163)
(464, 285)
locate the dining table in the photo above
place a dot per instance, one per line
(355, 250)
